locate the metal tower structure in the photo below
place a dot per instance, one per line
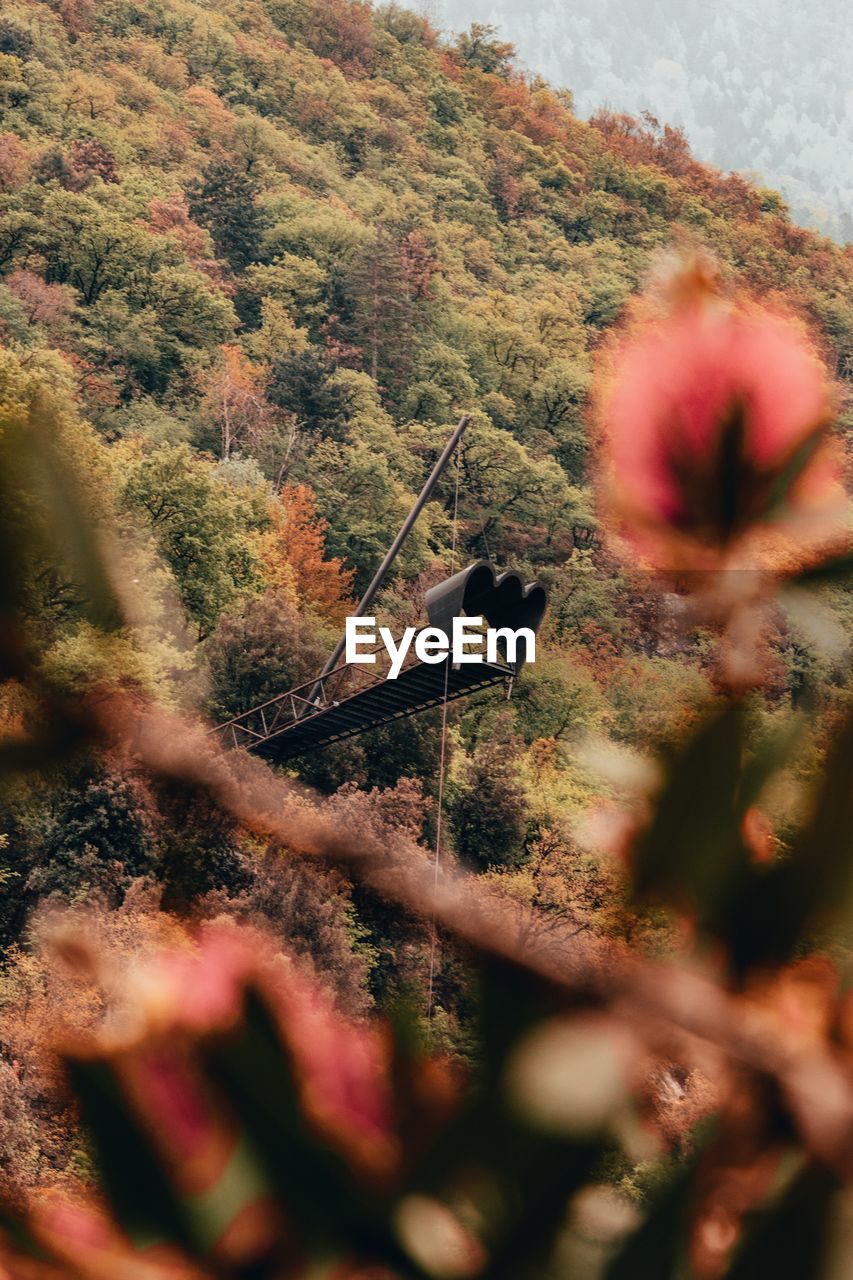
(349, 698)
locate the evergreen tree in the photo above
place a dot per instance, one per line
(383, 311)
(224, 199)
(302, 383)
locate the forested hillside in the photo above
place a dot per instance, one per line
(257, 257)
(755, 88)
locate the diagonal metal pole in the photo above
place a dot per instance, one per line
(391, 555)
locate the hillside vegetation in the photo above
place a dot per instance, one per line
(754, 88)
(256, 259)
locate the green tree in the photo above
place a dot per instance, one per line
(558, 698)
(202, 849)
(365, 504)
(511, 500)
(202, 526)
(93, 245)
(488, 808)
(303, 383)
(440, 385)
(270, 647)
(383, 311)
(224, 199)
(99, 835)
(157, 331)
(477, 47)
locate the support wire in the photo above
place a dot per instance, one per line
(433, 949)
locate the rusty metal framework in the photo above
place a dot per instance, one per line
(352, 698)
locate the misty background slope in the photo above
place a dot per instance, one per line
(757, 86)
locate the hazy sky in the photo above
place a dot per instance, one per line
(757, 85)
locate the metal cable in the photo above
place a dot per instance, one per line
(441, 770)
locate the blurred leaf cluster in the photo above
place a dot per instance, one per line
(241, 1126)
(254, 259)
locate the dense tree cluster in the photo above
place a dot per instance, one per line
(723, 78)
(256, 259)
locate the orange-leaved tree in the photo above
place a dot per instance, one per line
(293, 553)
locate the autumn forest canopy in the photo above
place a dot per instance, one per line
(256, 259)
